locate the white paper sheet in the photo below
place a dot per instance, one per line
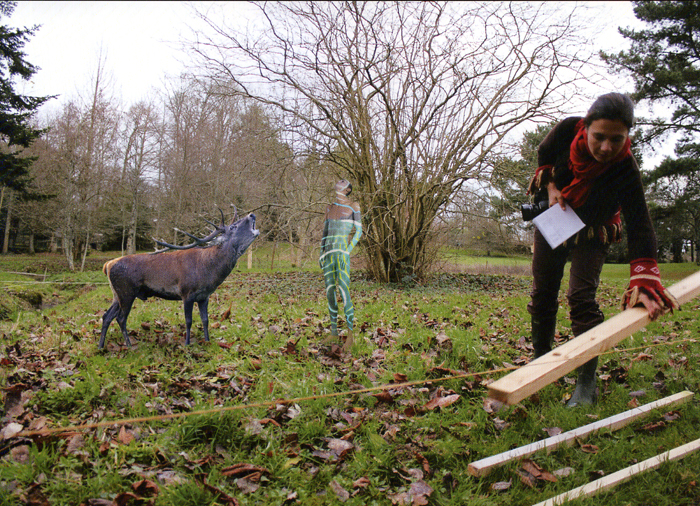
(557, 225)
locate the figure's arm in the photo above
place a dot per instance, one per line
(323, 240)
(325, 235)
(357, 222)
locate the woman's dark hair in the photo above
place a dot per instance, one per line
(611, 106)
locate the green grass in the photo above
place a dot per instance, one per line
(268, 350)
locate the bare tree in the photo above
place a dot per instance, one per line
(406, 99)
(82, 141)
(138, 162)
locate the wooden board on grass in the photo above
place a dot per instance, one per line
(623, 475)
(563, 359)
(484, 466)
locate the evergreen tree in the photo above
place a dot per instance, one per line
(664, 62)
(15, 109)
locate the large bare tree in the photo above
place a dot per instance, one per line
(406, 99)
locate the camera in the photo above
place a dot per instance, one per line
(531, 211)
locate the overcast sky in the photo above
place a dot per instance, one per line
(141, 42)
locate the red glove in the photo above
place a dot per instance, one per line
(644, 276)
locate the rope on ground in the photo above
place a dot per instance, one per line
(296, 400)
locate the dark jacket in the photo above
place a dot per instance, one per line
(619, 187)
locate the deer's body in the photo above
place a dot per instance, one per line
(190, 275)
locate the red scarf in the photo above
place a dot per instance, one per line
(585, 168)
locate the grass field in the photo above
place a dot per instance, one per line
(267, 414)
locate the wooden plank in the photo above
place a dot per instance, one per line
(484, 466)
(563, 359)
(623, 475)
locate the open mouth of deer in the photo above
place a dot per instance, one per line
(256, 232)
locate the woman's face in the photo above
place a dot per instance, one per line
(606, 138)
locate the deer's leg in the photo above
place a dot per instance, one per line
(122, 315)
(189, 304)
(106, 320)
(203, 306)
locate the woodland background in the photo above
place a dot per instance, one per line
(432, 110)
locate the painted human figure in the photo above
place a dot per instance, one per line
(587, 163)
(341, 217)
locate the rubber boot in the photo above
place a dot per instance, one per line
(585, 392)
(543, 334)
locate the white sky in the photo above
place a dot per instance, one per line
(142, 42)
(139, 42)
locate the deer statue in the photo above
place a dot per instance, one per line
(189, 273)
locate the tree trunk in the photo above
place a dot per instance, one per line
(131, 239)
(67, 241)
(85, 250)
(8, 222)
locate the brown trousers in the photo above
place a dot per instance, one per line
(548, 264)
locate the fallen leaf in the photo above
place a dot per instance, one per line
(527, 478)
(361, 482)
(671, 416)
(535, 470)
(384, 396)
(11, 430)
(126, 499)
(563, 472)
(586, 448)
(343, 495)
(441, 402)
(20, 454)
(500, 486)
(552, 431)
(248, 484)
(339, 447)
(423, 462)
(125, 437)
(500, 424)
(169, 477)
(145, 488)
(419, 493)
(76, 443)
(492, 405)
(400, 378)
(654, 426)
(243, 470)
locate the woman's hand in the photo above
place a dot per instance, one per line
(555, 196)
(652, 307)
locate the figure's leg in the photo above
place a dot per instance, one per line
(586, 265)
(329, 277)
(203, 306)
(348, 307)
(547, 271)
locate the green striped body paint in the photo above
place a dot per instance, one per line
(335, 262)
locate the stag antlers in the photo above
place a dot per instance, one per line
(218, 230)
